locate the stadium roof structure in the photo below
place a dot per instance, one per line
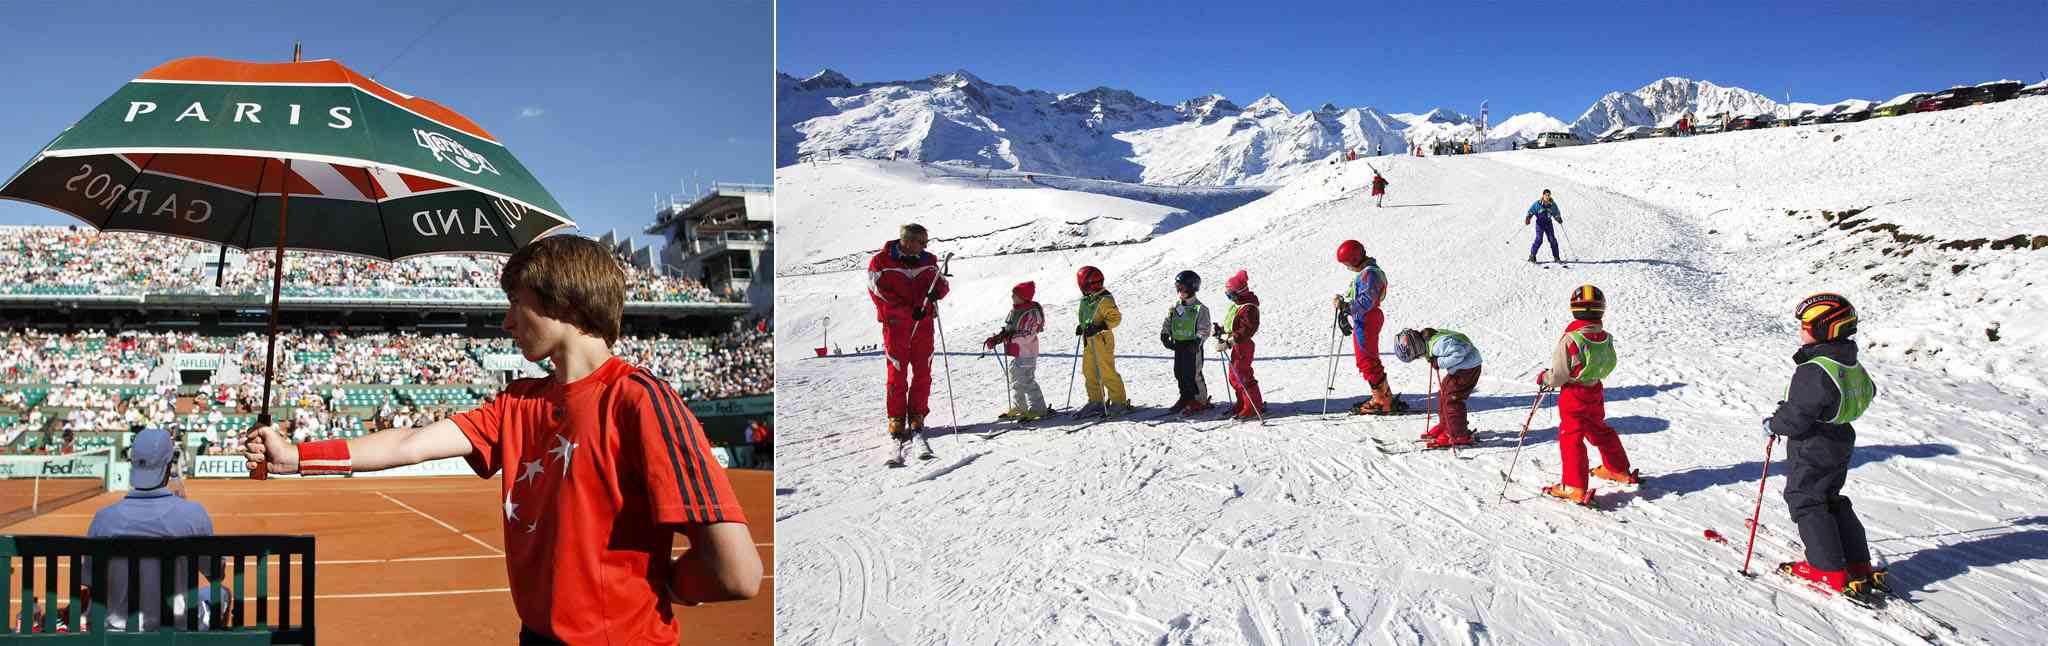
(759, 200)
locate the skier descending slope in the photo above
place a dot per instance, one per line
(1584, 356)
(1542, 212)
(1186, 325)
(904, 282)
(1460, 361)
(1379, 190)
(1098, 315)
(1829, 390)
(1359, 315)
(1019, 338)
(1235, 337)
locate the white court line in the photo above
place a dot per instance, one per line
(255, 514)
(402, 491)
(432, 593)
(437, 521)
(66, 564)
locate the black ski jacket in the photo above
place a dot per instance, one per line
(1813, 398)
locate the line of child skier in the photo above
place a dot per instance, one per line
(1829, 388)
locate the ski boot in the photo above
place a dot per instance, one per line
(1571, 494)
(1633, 477)
(916, 424)
(1010, 414)
(1091, 409)
(1830, 581)
(1431, 434)
(1247, 412)
(1448, 441)
(1196, 406)
(1117, 409)
(924, 446)
(1178, 406)
(1532, 258)
(1383, 402)
(1033, 415)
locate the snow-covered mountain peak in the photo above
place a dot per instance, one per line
(1265, 106)
(957, 78)
(1104, 100)
(1206, 108)
(825, 79)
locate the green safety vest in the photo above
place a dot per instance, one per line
(1852, 381)
(1444, 333)
(1181, 323)
(1088, 303)
(1598, 357)
(1230, 317)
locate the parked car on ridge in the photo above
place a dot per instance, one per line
(1948, 99)
(1555, 140)
(1850, 110)
(1901, 104)
(2037, 89)
(1996, 91)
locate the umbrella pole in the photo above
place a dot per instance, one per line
(220, 267)
(262, 470)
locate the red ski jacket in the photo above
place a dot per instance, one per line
(898, 284)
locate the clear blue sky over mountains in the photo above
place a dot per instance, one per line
(607, 102)
(1410, 56)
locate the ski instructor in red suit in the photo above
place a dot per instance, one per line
(904, 282)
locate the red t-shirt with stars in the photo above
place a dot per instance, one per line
(600, 474)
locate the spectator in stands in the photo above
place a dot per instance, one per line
(47, 258)
(150, 509)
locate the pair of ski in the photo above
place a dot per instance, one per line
(1887, 606)
(924, 453)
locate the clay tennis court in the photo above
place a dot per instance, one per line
(421, 560)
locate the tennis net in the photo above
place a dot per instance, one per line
(31, 485)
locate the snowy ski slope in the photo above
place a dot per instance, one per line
(1299, 531)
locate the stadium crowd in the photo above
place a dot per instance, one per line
(91, 381)
(38, 259)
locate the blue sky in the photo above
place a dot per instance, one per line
(1410, 56)
(607, 103)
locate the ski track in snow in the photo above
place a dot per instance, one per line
(1298, 531)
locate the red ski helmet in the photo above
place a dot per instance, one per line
(1351, 253)
(1089, 278)
(1826, 316)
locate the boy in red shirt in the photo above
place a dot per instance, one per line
(603, 466)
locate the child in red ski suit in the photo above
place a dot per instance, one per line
(1235, 337)
(1584, 356)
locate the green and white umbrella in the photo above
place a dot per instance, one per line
(211, 150)
(302, 155)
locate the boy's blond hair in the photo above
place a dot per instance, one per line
(575, 279)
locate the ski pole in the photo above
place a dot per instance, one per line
(1008, 387)
(1430, 391)
(1758, 512)
(947, 361)
(1229, 376)
(1070, 373)
(1330, 384)
(1240, 384)
(1509, 475)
